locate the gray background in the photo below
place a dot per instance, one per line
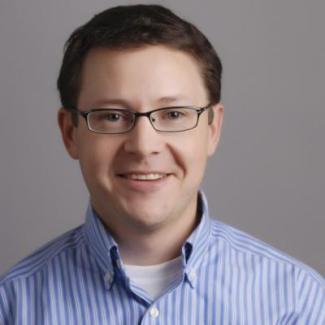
(267, 177)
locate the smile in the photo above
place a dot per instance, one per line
(144, 177)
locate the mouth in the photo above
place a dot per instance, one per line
(144, 182)
(150, 176)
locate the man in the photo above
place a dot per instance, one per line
(140, 90)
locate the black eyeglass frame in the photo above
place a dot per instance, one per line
(136, 115)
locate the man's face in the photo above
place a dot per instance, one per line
(113, 165)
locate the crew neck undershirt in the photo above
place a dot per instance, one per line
(155, 279)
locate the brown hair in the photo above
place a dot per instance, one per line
(134, 26)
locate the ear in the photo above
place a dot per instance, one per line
(68, 132)
(215, 128)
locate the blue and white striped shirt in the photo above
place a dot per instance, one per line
(229, 278)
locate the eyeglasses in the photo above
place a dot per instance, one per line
(116, 121)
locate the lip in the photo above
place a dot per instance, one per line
(144, 185)
(153, 175)
(128, 173)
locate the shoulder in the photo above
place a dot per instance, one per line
(44, 255)
(34, 276)
(287, 286)
(259, 253)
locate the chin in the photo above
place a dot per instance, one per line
(148, 216)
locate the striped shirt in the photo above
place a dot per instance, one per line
(228, 277)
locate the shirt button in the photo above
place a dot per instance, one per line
(109, 277)
(154, 312)
(192, 275)
(119, 263)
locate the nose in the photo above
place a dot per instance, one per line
(143, 139)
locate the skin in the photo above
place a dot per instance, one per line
(150, 220)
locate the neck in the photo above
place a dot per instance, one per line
(154, 248)
(142, 246)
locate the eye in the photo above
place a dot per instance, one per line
(174, 114)
(112, 116)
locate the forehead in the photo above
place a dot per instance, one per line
(141, 74)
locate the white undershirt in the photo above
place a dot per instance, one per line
(155, 279)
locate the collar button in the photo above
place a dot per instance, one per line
(109, 277)
(192, 275)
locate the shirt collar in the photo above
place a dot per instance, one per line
(102, 245)
(105, 249)
(196, 245)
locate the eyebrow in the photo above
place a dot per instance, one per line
(112, 101)
(173, 99)
(165, 100)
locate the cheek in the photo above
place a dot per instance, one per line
(96, 159)
(191, 155)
